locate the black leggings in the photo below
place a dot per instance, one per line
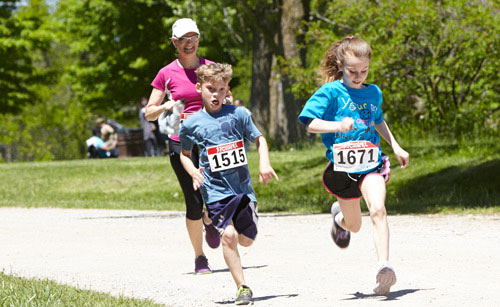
(193, 199)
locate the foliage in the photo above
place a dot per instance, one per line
(25, 38)
(52, 130)
(117, 47)
(435, 61)
(40, 120)
(61, 66)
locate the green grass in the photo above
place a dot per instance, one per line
(443, 177)
(15, 291)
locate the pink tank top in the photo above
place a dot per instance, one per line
(180, 83)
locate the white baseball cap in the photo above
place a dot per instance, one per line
(183, 26)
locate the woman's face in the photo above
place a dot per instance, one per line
(187, 44)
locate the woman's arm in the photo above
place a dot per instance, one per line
(154, 108)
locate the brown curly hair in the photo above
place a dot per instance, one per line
(217, 72)
(337, 53)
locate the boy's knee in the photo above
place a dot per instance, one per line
(245, 241)
(229, 237)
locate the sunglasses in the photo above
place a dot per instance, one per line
(192, 39)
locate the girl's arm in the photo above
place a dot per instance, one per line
(266, 172)
(402, 156)
(317, 125)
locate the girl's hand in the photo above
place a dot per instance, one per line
(346, 124)
(266, 173)
(198, 179)
(402, 156)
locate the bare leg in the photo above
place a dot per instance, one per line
(373, 190)
(231, 254)
(351, 212)
(195, 231)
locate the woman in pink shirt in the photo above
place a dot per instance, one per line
(174, 82)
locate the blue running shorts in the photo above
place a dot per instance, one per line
(236, 208)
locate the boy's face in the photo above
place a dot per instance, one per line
(213, 94)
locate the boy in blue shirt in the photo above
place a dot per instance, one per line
(219, 131)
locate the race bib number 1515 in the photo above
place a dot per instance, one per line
(226, 156)
(355, 156)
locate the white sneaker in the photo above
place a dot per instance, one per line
(386, 278)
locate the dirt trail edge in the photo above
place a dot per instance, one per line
(439, 260)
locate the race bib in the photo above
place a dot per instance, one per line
(226, 156)
(185, 116)
(355, 156)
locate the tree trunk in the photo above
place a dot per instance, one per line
(285, 128)
(261, 73)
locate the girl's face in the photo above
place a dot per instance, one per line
(187, 44)
(213, 94)
(355, 71)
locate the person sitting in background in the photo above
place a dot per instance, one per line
(108, 135)
(96, 148)
(150, 143)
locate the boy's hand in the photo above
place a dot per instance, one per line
(266, 173)
(198, 179)
(402, 156)
(346, 124)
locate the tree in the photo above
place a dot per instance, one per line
(39, 120)
(434, 61)
(270, 32)
(118, 47)
(24, 42)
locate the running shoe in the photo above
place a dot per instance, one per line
(243, 296)
(201, 265)
(386, 278)
(340, 236)
(212, 235)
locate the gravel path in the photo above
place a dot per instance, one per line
(439, 260)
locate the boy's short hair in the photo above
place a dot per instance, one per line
(216, 72)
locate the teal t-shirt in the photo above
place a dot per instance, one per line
(334, 101)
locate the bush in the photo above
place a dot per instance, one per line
(436, 62)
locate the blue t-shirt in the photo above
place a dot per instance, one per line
(98, 143)
(230, 124)
(335, 101)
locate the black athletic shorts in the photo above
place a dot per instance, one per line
(346, 185)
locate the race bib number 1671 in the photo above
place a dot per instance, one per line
(226, 156)
(355, 156)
